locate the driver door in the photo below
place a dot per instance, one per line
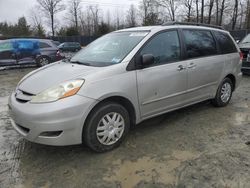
(162, 86)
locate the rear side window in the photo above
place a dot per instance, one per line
(199, 43)
(165, 47)
(26, 45)
(225, 42)
(44, 45)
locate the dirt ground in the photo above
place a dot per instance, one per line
(199, 146)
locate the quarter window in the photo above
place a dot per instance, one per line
(165, 47)
(5, 46)
(225, 43)
(44, 45)
(199, 43)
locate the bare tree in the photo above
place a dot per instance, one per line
(149, 10)
(131, 16)
(171, 6)
(217, 11)
(36, 23)
(144, 7)
(241, 14)
(202, 11)
(89, 28)
(188, 4)
(94, 10)
(247, 17)
(51, 8)
(222, 11)
(108, 18)
(35, 17)
(197, 10)
(235, 14)
(211, 5)
(117, 20)
(74, 11)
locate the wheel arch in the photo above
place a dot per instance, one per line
(233, 79)
(125, 102)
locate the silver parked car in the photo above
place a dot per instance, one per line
(123, 78)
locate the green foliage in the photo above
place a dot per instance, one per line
(21, 29)
(72, 31)
(39, 31)
(152, 19)
(61, 32)
(103, 28)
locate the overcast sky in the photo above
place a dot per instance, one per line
(11, 10)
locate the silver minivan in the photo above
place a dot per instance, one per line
(123, 78)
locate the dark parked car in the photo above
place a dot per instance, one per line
(244, 46)
(28, 51)
(70, 47)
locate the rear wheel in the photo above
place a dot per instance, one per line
(106, 127)
(42, 61)
(224, 93)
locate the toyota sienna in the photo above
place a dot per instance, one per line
(123, 78)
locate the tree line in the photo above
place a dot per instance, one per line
(90, 20)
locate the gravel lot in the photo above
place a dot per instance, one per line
(199, 146)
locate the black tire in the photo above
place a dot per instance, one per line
(217, 101)
(90, 137)
(42, 61)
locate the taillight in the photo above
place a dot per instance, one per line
(58, 54)
(241, 55)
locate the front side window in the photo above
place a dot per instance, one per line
(165, 47)
(225, 42)
(109, 49)
(199, 43)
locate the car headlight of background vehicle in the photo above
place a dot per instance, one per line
(63, 90)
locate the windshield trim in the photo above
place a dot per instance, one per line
(105, 63)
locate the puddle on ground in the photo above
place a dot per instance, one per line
(130, 173)
(3, 104)
(242, 104)
(241, 118)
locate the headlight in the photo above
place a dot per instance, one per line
(63, 90)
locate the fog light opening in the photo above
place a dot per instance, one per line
(50, 133)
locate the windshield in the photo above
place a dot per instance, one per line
(109, 49)
(246, 39)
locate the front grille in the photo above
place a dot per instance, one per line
(23, 96)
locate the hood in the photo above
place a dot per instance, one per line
(244, 45)
(51, 75)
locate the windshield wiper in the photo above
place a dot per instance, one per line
(80, 63)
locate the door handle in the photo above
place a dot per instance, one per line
(181, 67)
(191, 65)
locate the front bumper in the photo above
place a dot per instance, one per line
(58, 123)
(245, 66)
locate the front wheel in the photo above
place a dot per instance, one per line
(106, 127)
(224, 93)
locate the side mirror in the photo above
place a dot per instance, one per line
(237, 41)
(147, 59)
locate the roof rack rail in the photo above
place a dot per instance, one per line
(192, 23)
